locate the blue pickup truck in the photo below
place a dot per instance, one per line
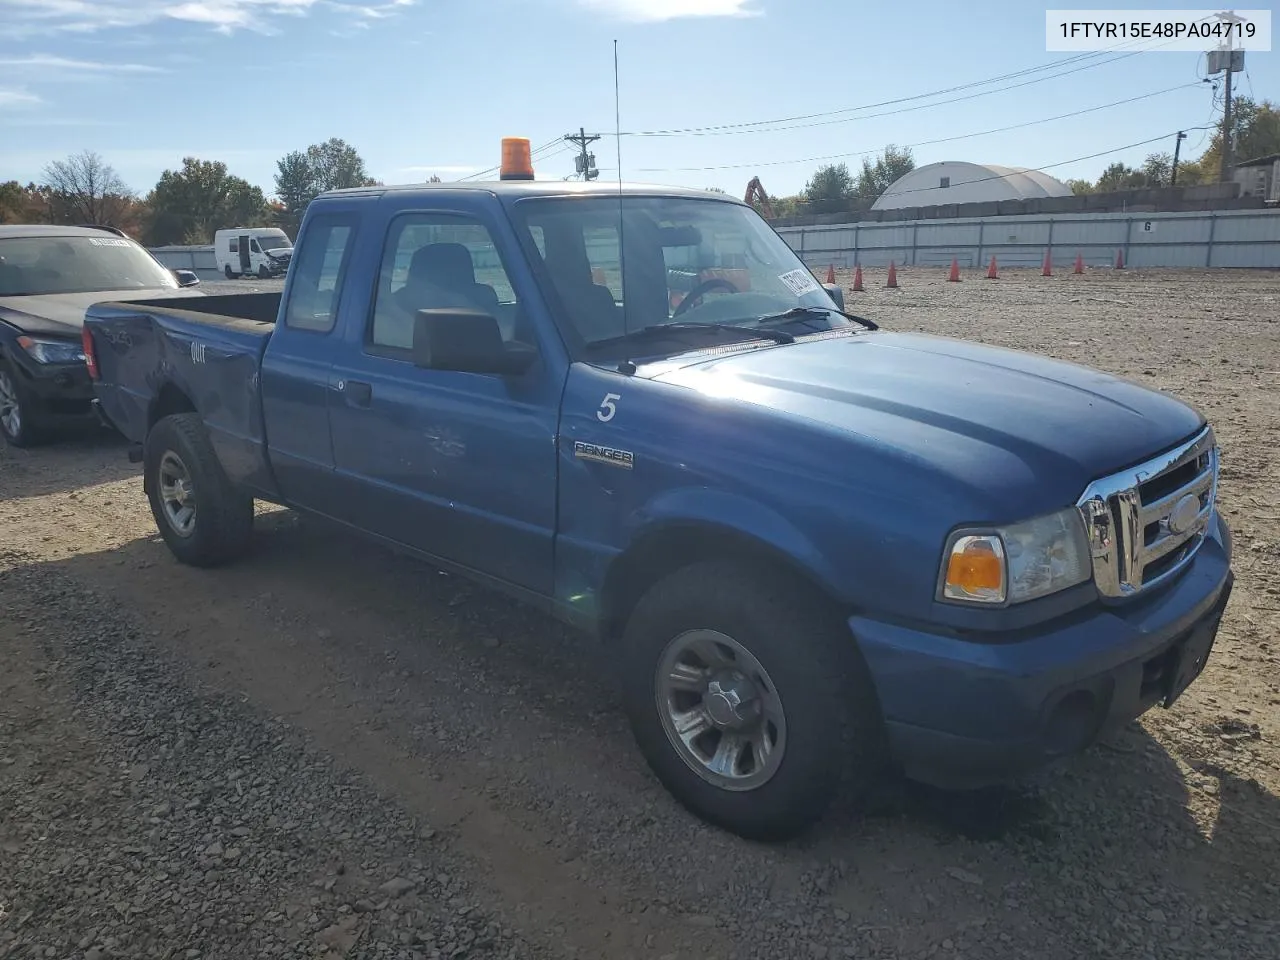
(824, 552)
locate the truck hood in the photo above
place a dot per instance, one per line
(62, 314)
(1021, 432)
(281, 253)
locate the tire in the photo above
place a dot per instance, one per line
(226, 271)
(20, 419)
(830, 724)
(264, 273)
(180, 459)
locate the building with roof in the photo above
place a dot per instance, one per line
(956, 181)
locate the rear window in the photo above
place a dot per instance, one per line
(42, 266)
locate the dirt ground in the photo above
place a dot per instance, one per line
(326, 750)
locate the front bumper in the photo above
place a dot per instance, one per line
(963, 714)
(60, 389)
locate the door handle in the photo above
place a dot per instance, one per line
(357, 393)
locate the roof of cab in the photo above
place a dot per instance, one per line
(519, 189)
(48, 230)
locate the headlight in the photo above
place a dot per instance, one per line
(52, 351)
(1016, 563)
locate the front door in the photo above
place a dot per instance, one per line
(459, 465)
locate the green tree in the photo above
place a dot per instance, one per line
(1156, 169)
(1256, 128)
(303, 175)
(830, 188)
(1120, 176)
(1080, 187)
(877, 177)
(188, 205)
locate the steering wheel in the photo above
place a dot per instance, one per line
(700, 291)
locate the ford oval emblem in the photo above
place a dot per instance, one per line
(1183, 516)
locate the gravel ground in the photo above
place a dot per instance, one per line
(327, 750)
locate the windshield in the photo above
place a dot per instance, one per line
(274, 242)
(681, 260)
(36, 266)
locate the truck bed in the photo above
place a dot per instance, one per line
(157, 357)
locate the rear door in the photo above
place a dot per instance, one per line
(459, 465)
(319, 293)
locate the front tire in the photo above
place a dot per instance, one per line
(19, 412)
(203, 519)
(748, 698)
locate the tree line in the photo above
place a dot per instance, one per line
(186, 205)
(834, 188)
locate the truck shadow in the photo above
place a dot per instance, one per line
(76, 457)
(440, 675)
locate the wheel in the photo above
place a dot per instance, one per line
(263, 272)
(226, 271)
(748, 699)
(204, 520)
(19, 415)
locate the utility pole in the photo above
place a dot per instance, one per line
(584, 162)
(1177, 148)
(1230, 61)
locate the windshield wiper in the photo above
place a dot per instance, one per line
(795, 313)
(657, 329)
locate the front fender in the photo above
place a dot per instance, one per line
(735, 515)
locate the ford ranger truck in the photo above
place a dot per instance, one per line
(823, 552)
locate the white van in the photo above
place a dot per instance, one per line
(250, 251)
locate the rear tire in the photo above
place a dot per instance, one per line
(204, 520)
(226, 271)
(815, 720)
(20, 420)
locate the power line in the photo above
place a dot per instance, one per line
(800, 122)
(925, 143)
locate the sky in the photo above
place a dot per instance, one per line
(423, 87)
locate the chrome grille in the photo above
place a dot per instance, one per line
(1146, 523)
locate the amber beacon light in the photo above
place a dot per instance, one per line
(516, 161)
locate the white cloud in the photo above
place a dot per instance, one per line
(64, 66)
(657, 10)
(34, 17)
(17, 98)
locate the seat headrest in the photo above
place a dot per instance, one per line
(444, 264)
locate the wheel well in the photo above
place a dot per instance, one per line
(664, 551)
(169, 401)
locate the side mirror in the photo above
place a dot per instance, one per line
(836, 294)
(186, 278)
(452, 338)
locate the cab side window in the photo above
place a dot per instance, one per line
(319, 271)
(434, 260)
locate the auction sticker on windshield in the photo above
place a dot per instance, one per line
(99, 242)
(799, 282)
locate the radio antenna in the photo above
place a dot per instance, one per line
(617, 137)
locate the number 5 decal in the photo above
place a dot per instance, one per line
(607, 407)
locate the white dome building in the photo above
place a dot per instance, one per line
(955, 181)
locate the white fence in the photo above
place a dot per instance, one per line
(1227, 238)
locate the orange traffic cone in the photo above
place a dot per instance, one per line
(954, 276)
(1047, 269)
(893, 275)
(992, 272)
(1119, 259)
(1079, 263)
(831, 273)
(857, 278)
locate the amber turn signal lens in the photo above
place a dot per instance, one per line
(516, 160)
(975, 570)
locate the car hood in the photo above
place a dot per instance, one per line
(62, 314)
(281, 253)
(1021, 432)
